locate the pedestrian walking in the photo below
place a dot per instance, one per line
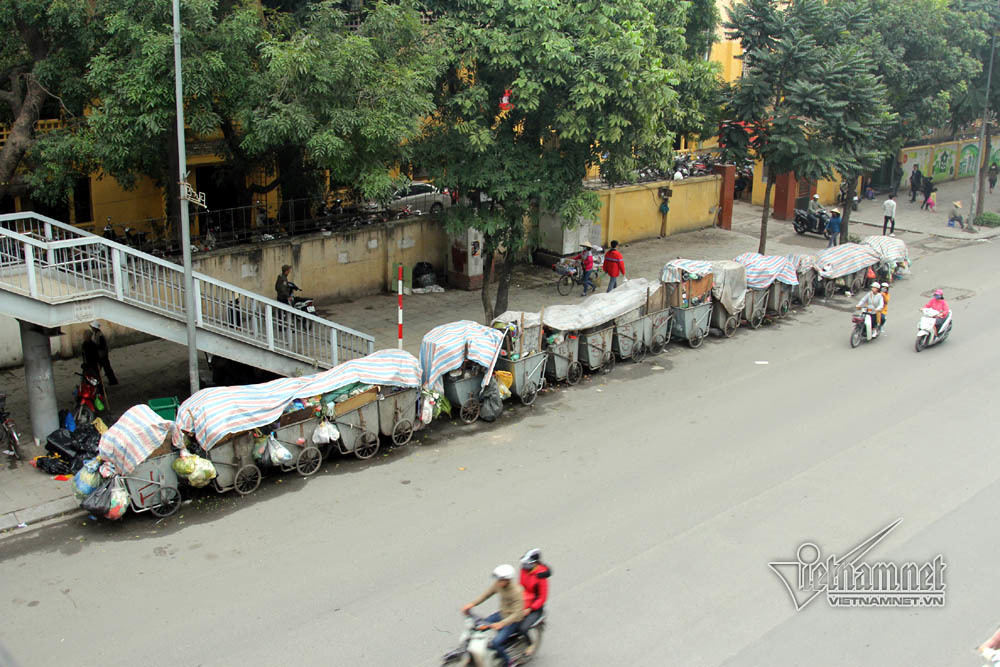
(916, 183)
(889, 215)
(833, 228)
(927, 188)
(993, 176)
(102, 352)
(614, 266)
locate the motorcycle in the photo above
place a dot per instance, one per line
(472, 649)
(89, 397)
(859, 334)
(925, 329)
(301, 303)
(815, 225)
(11, 439)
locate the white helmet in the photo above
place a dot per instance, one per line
(504, 571)
(815, 196)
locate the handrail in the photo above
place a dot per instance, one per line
(80, 265)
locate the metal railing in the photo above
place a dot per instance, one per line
(55, 263)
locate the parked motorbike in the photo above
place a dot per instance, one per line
(925, 329)
(472, 649)
(11, 441)
(135, 240)
(842, 198)
(89, 397)
(109, 232)
(814, 225)
(300, 302)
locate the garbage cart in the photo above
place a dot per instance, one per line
(397, 414)
(528, 373)
(562, 349)
(595, 348)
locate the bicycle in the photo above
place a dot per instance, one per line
(11, 442)
(571, 275)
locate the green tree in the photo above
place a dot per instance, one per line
(590, 86)
(45, 48)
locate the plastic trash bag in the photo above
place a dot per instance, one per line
(108, 469)
(99, 502)
(119, 501)
(504, 391)
(203, 473)
(325, 433)
(184, 465)
(491, 404)
(278, 453)
(87, 479)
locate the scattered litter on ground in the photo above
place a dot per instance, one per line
(22, 525)
(762, 363)
(657, 368)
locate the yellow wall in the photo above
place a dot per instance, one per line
(726, 53)
(826, 189)
(632, 212)
(342, 264)
(111, 199)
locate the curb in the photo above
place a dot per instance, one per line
(32, 515)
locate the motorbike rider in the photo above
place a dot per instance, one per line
(535, 582)
(282, 286)
(814, 210)
(505, 621)
(938, 303)
(869, 305)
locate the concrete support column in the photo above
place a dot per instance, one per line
(40, 381)
(728, 173)
(785, 190)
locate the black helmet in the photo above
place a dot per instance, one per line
(531, 558)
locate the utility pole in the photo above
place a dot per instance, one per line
(185, 194)
(984, 159)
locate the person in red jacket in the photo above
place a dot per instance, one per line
(614, 265)
(535, 582)
(586, 259)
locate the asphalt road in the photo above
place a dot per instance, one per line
(658, 494)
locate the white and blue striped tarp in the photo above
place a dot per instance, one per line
(763, 270)
(802, 262)
(136, 435)
(446, 348)
(844, 259)
(213, 414)
(888, 248)
(674, 270)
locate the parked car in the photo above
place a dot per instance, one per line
(418, 196)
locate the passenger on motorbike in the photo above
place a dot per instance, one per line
(885, 308)
(870, 304)
(505, 621)
(535, 582)
(938, 303)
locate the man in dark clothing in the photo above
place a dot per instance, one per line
(916, 182)
(91, 355)
(281, 286)
(97, 336)
(928, 188)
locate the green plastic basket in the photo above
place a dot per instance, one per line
(165, 407)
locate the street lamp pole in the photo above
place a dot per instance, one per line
(185, 219)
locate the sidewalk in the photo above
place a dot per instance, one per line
(910, 218)
(159, 368)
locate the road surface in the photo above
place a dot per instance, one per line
(658, 495)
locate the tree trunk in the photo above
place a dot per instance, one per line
(503, 285)
(852, 192)
(762, 246)
(21, 136)
(978, 205)
(485, 292)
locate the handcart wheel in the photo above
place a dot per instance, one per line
(697, 339)
(309, 461)
(367, 445)
(730, 327)
(638, 352)
(807, 296)
(607, 363)
(168, 500)
(829, 288)
(564, 285)
(756, 320)
(658, 344)
(470, 411)
(529, 394)
(402, 432)
(247, 479)
(857, 284)
(574, 373)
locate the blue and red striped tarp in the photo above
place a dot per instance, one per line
(802, 262)
(762, 270)
(845, 259)
(674, 270)
(446, 348)
(213, 414)
(888, 248)
(135, 436)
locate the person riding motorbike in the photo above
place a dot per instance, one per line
(535, 582)
(511, 613)
(813, 210)
(938, 303)
(869, 305)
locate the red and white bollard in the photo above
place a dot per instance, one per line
(399, 309)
